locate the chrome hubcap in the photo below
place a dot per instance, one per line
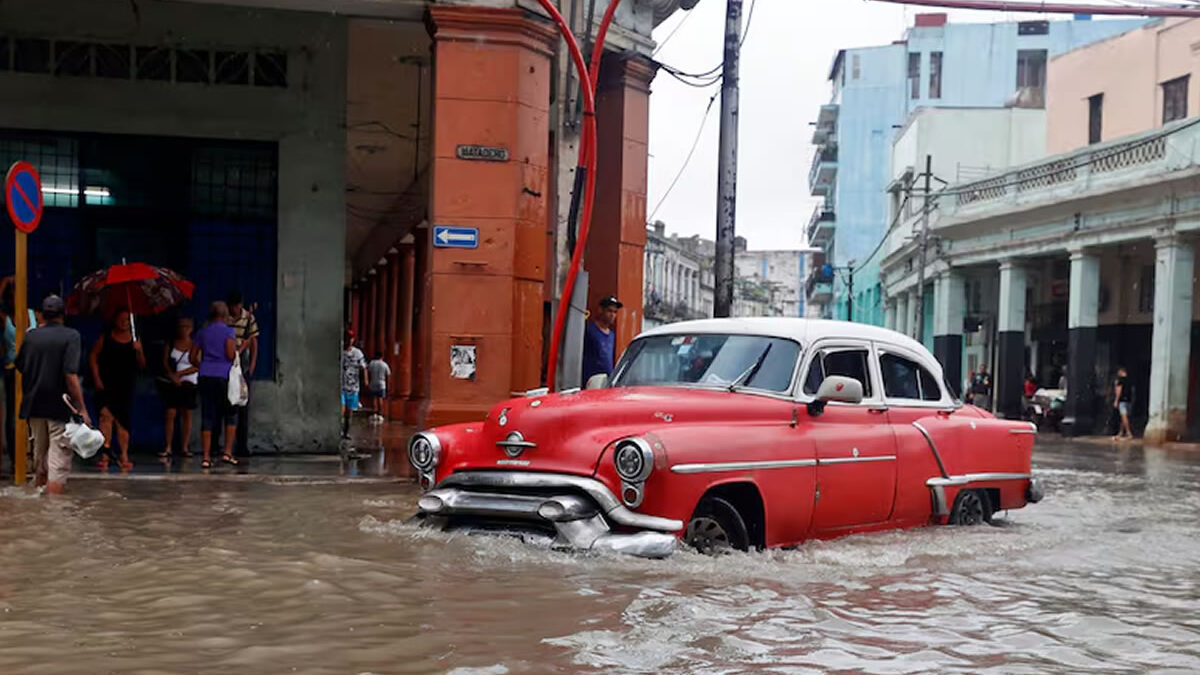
(706, 535)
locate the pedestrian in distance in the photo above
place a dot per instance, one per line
(1122, 396)
(179, 389)
(49, 365)
(246, 333)
(213, 352)
(354, 376)
(115, 361)
(379, 373)
(981, 388)
(600, 338)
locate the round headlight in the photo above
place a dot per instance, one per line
(634, 460)
(423, 451)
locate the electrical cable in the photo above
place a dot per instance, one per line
(659, 48)
(716, 70)
(683, 167)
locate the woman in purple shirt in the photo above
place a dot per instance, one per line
(214, 349)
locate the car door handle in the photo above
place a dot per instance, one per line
(877, 411)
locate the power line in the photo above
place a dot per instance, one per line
(715, 70)
(695, 143)
(659, 48)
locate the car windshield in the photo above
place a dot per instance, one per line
(750, 361)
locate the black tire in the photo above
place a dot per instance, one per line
(716, 527)
(971, 507)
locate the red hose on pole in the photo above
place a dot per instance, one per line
(587, 163)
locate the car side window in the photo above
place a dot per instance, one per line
(906, 379)
(853, 363)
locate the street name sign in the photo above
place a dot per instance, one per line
(446, 236)
(482, 153)
(23, 196)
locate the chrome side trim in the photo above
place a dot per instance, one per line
(717, 467)
(1022, 431)
(977, 478)
(855, 460)
(607, 501)
(932, 447)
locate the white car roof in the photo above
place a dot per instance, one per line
(804, 331)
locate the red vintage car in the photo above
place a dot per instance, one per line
(731, 433)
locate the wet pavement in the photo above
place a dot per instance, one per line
(324, 576)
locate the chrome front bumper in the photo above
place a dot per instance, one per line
(579, 511)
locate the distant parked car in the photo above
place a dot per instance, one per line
(731, 433)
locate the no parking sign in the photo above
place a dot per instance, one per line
(23, 196)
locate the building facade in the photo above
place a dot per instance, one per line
(307, 154)
(875, 89)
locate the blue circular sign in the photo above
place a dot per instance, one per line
(23, 196)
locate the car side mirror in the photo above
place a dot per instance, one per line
(836, 388)
(597, 381)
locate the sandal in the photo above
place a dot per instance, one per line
(206, 464)
(165, 454)
(188, 453)
(229, 460)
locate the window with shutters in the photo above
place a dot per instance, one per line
(1175, 94)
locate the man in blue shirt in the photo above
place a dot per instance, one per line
(600, 339)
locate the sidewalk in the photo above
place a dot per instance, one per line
(1135, 442)
(374, 453)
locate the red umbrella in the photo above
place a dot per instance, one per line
(140, 288)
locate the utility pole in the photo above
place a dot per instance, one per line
(850, 291)
(727, 163)
(924, 246)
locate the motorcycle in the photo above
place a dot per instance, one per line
(1047, 408)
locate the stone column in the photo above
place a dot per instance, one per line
(618, 236)
(1010, 338)
(902, 313)
(367, 337)
(420, 352)
(947, 325)
(391, 337)
(914, 320)
(492, 76)
(1170, 350)
(402, 372)
(1082, 319)
(889, 315)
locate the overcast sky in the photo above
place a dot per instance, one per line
(784, 70)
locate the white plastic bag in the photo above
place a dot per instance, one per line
(84, 440)
(239, 393)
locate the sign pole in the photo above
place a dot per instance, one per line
(21, 302)
(23, 200)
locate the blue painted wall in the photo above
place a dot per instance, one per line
(979, 69)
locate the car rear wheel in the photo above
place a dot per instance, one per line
(971, 507)
(716, 527)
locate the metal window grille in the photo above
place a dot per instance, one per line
(234, 182)
(914, 75)
(57, 162)
(1175, 94)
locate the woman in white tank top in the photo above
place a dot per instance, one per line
(179, 390)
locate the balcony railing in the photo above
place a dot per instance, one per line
(820, 224)
(826, 126)
(1071, 175)
(823, 170)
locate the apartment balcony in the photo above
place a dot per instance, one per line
(826, 126)
(821, 225)
(819, 287)
(823, 173)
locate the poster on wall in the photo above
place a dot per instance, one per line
(462, 362)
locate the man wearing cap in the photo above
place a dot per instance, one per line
(599, 339)
(49, 365)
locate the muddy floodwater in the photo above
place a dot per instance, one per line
(152, 576)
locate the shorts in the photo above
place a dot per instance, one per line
(379, 393)
(179, 397)
(215, 408)
(350, 400)
(51, 451)
(1123, 407)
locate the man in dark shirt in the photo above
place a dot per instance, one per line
(600, 339)
(1122, 396)
(49, 365)
(981, 388)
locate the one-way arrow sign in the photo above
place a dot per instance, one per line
(445, 236)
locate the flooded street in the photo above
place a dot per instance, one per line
(152, 576)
